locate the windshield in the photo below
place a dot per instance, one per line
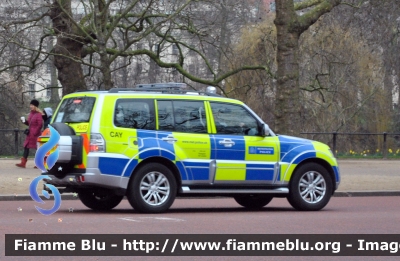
(75, 110)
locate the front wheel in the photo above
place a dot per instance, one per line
(253, 201)
(152, 189)
(99, 199)
(310, 187)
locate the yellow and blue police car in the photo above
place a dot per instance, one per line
(158, 141)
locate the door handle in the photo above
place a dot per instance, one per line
(169, 139)
(227, 143)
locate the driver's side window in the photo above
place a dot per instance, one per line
(233, 120)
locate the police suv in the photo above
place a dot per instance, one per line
(159, 141)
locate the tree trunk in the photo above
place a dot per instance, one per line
(55, 96)
(290, 26)
(153, 71)
(54, 91)
(70, 72)
(125, 73)
(101, 18)
(287, 104)
(68, 49)
(105, 69)
(223, 38)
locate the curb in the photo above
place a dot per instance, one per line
(28, 197)
(367, 193)
(70, 196)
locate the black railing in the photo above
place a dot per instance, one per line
(11, 145)
(335, 135)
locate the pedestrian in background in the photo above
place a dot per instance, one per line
(47, 114)
(35, 123)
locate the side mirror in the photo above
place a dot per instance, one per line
(265, 131)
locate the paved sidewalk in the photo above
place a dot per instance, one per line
(359, 178)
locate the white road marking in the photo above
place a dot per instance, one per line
(151, 219)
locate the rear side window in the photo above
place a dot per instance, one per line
(182, 116)
(75, 110)
(134, 113)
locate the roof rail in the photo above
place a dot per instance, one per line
(91, 91)
(169, 85)
(162, 90)
(171, 88)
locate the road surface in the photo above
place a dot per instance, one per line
(350, 215)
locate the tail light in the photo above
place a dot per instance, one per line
(97, 143)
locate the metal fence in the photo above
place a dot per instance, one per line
(11, 143)
(384, 145)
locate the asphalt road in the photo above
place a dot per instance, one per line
(343, 215)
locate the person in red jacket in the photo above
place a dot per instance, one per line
(35, 123)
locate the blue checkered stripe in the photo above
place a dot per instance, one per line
(237, 155)
(295, 150)
(151, 145)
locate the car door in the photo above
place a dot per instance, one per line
(183, 130)
(128, 126)
(242, 155)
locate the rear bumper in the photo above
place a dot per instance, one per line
(92, 177)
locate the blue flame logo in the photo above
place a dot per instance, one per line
(45, 158)
(41, 161)
(35, 196)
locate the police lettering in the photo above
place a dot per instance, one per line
(116, 134)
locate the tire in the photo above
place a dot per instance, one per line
(99, 199)
(60, 170)
(310, 188)
(152, 189)
(63, 129)
(256, 201)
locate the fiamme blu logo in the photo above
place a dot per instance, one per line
(45, 158)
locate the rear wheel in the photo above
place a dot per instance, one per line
(310, 187)
(99, 199)
(152, 189)
(256, 201)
